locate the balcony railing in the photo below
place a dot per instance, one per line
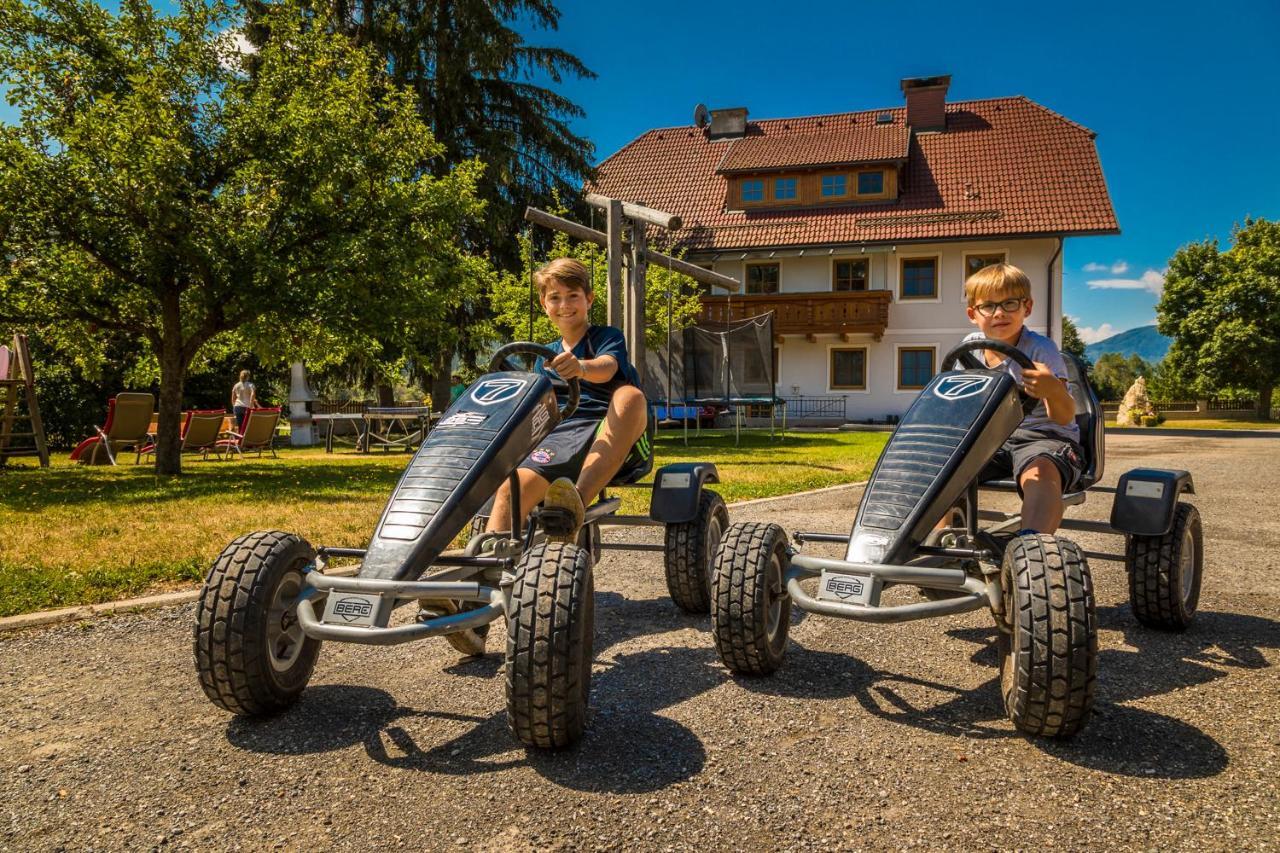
(861, 312)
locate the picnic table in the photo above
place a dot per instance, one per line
(386, 426)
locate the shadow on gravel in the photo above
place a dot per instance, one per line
(628, 747)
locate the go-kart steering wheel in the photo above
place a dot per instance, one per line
(500, 362)
(963, 353)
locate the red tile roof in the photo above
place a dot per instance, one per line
(1004, 167)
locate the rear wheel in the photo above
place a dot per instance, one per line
(1049, 662)
(550, 626)
(751, 611)
(1165, 572)
(251, 654)
(690, 552)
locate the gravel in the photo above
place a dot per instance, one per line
(868, 737)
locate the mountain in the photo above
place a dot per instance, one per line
(1143, 341)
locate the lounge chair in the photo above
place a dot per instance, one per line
(128, 424)
(258, 434)
(200, 432)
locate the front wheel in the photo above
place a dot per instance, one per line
(251, 654)
(1165, 572)
(751, 611)
(1049, 662)
(690, 551)
(550, 627)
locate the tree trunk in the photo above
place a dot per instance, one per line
(441, 381)
(169, 428)
(1264, 402)
(386, 395)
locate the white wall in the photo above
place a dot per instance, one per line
(803, 368)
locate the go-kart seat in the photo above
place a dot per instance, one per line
(1092, 441)
(638, 463)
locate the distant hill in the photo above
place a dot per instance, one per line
(1143, 341)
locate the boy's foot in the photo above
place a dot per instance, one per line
(563, 511)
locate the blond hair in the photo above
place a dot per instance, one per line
(994, 281)
(244, 376)
(570, 272)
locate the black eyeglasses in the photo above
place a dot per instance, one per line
(988, 309)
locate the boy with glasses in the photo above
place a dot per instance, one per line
(1043, 455)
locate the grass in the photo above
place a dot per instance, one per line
(73, 535)
(1213, 423)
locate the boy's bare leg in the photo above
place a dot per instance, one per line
(623, 425)
(532, 488)
(1041, 496)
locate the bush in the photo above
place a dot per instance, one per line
(1152, 420)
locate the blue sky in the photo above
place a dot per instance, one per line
(1185, 104)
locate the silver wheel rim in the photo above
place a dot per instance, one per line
(284, 633)
(1187, 563)
(714, 534)
(773, 596)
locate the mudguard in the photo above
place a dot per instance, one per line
(1146, 500)
(950, 432)
(677, 488)
(479, 441)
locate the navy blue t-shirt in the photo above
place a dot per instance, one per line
(594, 397)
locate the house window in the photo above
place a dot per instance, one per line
(870, 183)
(973, 263)
(762, 278)
(784, 189)
(753, 190)
(919, 278)
(915, 367)
(849, 275)
(834, 186)
(849, 369)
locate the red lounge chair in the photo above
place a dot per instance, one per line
(258, 434)
(200, 432)
(127, 425)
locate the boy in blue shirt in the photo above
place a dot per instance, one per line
(1043, 454)
(582, 454)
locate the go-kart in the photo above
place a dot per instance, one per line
(918, 525)
(268, 601)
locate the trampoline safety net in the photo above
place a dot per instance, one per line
(714, 364)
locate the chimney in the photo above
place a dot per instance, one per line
(926, 102)
(729, 123)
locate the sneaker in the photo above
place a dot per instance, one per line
(565, 511)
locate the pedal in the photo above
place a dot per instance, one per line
(557, 522)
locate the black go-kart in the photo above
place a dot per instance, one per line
(270, 598)
(918, 525)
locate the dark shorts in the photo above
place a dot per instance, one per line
(562, 453)
(1026, 446)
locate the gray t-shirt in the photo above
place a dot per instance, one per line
(1038, 348)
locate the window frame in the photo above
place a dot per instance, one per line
(850, 259)
(965, 256)
(746, 275)
(857, 189)
(937, 278)
(795, 189)
(865, 388)
(823, 195)
(898, 350)
(742, 190)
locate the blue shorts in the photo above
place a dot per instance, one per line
(562, 453)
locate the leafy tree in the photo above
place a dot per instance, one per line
(1113, 373)
(1222, 310)
(1071, 341)
(153, 189)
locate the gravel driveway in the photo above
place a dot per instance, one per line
(869, 737)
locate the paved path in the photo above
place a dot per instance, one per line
(869, 737)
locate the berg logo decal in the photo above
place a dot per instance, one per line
(493, 391)
(462, 419)
(352, 609)
(845, 587)
(964, 385)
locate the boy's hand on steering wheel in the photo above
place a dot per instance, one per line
(1041, 383)
(568, 366)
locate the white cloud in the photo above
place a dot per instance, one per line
(1150, 281)
(232, 47)
(1118, 268)
(1090, 335)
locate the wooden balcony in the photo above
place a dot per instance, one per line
(810, 314)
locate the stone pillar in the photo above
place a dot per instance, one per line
(301, 431)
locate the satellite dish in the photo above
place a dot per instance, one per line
(701, 115)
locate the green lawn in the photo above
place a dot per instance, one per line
(76, 535)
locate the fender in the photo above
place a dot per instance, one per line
(1146, 500)
(677, 488)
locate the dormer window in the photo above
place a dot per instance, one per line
(834, 186)
(870, 183)
(753, 190)
(784, 189)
